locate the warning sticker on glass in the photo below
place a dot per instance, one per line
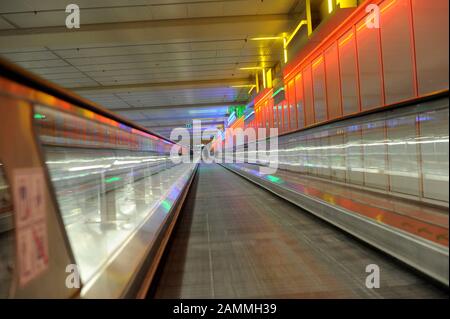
(31, 223)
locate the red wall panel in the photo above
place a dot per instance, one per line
(370, 68)
(333, 82)
(299, 101)
(308, 96)
(320, 98)
(292, 105)
(349, 73)
(431, 33)
(397, 53)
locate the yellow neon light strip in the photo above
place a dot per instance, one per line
(308, 16)
(264, 78)
(306, 22)
(320, 60)
(302, 23)
(388, 6)
(330, 6)
(286, 42)
(269, 78)
(243, 86)
(285, 50)
(257, 83)
(252, 68)
(348, 38)
(266, 38)
(362, 26)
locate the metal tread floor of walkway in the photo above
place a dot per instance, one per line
(236, 240)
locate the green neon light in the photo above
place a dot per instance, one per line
(38, 116)
(274, 179)
(238, 110)
(278, 91)
(112, 179)
(166, 205)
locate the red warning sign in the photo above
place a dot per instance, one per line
(31, 223)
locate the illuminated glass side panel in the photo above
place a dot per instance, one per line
(337, 154)
(313, 156)
(403, 155)
(323, 155)
(106, 185)
(302, 153)
(373, 138)
(434, 153)
(354, 154)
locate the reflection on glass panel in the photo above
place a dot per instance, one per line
(434, 153)
(375, 155)
(324, 156)
(289, 153)
(312, 155)
(402, 152)
(106, 184)
(354, 155)
(337, 154)
(303, 154)
(6, 236)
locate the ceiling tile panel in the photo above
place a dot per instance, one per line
(95, 63)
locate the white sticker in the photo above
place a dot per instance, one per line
(31, 223)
